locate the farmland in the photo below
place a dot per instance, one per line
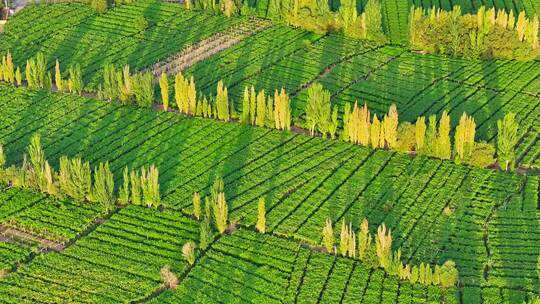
(303, 179)
(251, 212)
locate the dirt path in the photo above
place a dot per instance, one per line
(12, 234)
(208, 47)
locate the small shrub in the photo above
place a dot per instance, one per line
(169, 278)
(99, 6)
(188, 252)
(141, 24)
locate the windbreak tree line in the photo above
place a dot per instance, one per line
(486, 34)
(377, 252)
(75, 179)
(430, 138)
(312, 15)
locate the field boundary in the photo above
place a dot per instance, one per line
(210, 46)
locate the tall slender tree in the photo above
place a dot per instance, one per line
(164, 87)
(443, 148)
(222, 102)
(464, 139)
(420, 134)
(318, 109)
(261, 215)
(507, 138)
(328, 236)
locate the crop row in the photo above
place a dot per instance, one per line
(11, 254)
(117, 262)
(250, 268)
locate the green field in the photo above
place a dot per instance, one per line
(485, 220)
(304, 181)
(352, 70)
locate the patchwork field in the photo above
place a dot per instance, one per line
(303, 179)
(56, 249)
(281, 57)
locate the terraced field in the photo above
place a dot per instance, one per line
(304, 181)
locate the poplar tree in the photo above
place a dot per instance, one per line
(269, 115)
(9, 75)
(333, 124)
(197, 205)
(373, 20)
(222, 102)
(464, 139)
(363, 120)
(318, 108)
(420, 134)
(344, 239)
(75, 178)
(449, 274)
(359, 125)
(18, 76)
(111, 83)
(205, 234)
(375, 132)
(282, 110)
(252, 105)
(443, 148)
(124, 85)
(143, 89)
(383, 245)
(431, 137)
(36, 72)
(245, 106)
(164, 87)
(37, 163)
(75, 82)
(346, 117)
(261, 109)
(180, 89)
(261, 216)
(364, 239)
(219, 206)
(192, 96)
(49, 185)
(123, 192)
(58, 77)
(352, 243)
(328, 236)
(348, 16)
(2, 158)
(29, 74)
(507, 139)
(136, 196)
(390, 125)
(103, 188)
(150, 186)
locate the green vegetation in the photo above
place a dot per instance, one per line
(487, 34)
(325, 162)
(314, 175)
